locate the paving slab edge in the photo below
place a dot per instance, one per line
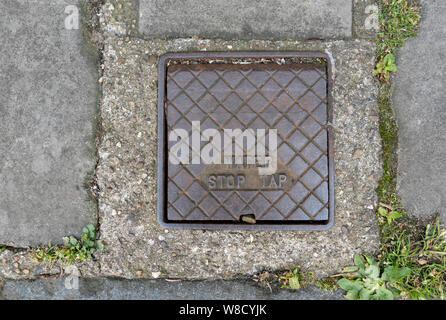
(112, 289)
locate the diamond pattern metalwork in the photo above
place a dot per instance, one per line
(291, 98)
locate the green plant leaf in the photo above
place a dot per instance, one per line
(73, 241)
(352, 295)
(350, 269)
(66, 241)
(394, 291)
(389, 58)
(369, 259)
(403, 272)
(392, 215)
(359, 260)
(99, 246)
(348, 285)
(391, 68)
(294, 283)
(382, 211)
(364, 294)
(372, 271)
(383, 294)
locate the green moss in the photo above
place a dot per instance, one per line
(328, 284)
(295, 279)
(388, 130)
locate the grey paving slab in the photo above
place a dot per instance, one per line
(420, 104)
(365, 19)
(262, 19)
(48, 99)
(156, 290)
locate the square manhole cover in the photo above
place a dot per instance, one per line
(244, 141)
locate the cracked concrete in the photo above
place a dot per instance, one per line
(127, 173)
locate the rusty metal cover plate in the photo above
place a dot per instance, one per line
(245, 141)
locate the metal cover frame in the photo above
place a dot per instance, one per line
(162, 145)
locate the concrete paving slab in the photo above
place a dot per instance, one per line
(112, 289)
(48, 102)
(365, 19)
(262, 19)
(419, 100)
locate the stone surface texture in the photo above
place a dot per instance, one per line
(103, 288)
(365, 19)
(262, 19)
(48, 100)
(126, 173)
(48, 105)
(419, 101)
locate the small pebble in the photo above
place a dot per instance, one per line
(248, 219)
(357, 153)
(153, 59)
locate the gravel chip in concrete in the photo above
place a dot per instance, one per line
(135, 244)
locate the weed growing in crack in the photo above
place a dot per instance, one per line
(398, 21)
(366, 281)
(412, 259)
(295, 279)
(72, 250)
(423, 251)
